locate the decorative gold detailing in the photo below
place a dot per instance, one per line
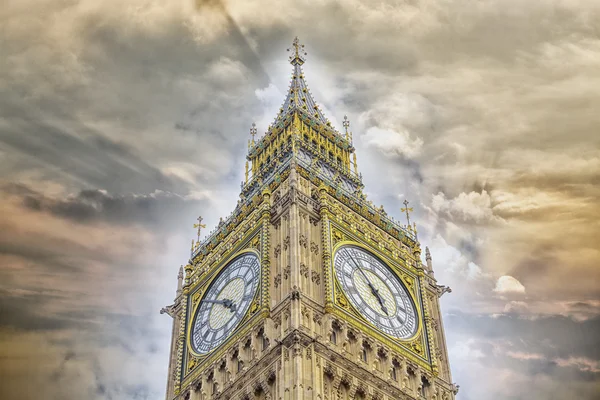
(416, 346)
(192, 362)
(196, 297)
(298, 53)
(346, 125)
(200, 226)
(253, 133)
(408, 275)
(253, 308)
(337, 236)
(340, 297)
(256, 243)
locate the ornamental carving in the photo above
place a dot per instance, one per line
(302, 240)
(315, 277)
(277, 280)
(303, 270)
(277, 251)
(314, 248)
(337, 236)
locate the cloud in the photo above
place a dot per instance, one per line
(466, 207)
(507, 284)
(518, 351)
(89, 206)
(119, 124)
(525, 356)
(582, 363)
(516, 307)
(392, 143)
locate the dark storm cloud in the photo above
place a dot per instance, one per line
(159, 209)
(554, 336)
(529, 357)
(94, 160)
(25, 312)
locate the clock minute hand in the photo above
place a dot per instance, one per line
(225, 303)
(373, 289)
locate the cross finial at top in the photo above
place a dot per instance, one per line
(199, 225)
(297, 57)
(253, 131)
(346, 123)
(407, 210)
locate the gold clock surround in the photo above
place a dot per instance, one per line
(412, 290)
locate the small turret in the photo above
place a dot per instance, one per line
(428, 260)
(180, 280)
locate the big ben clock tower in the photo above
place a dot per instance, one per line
(307, 291)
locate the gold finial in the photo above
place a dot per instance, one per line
(346, 125)
(298, 53)
(253, 132)
(199, 225)
(355, 165)
(246, 171)
(407, 210)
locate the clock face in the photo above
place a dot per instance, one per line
(375, 291)
(225, 303)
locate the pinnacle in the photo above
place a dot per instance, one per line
(298, 95)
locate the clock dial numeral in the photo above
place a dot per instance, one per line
(225, 303)
(375, 291)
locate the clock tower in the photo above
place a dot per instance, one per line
(307, 290)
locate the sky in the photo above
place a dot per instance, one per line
(121, 122)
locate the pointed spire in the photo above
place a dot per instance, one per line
(428, 261)
(407, 210)
(346, 125)
(253, 132)
(298, 96)
(180, 280)
(297, 56)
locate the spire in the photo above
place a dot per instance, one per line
(428, 260)
(180, 280)
(297, 58)
(298, 96)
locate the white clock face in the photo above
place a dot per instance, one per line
(225, 303)
(375, 291)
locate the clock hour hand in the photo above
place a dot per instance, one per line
(225, 303)
(373, 289)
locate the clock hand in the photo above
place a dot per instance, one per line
(373, 289)
(225, 303)
(230, 304)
